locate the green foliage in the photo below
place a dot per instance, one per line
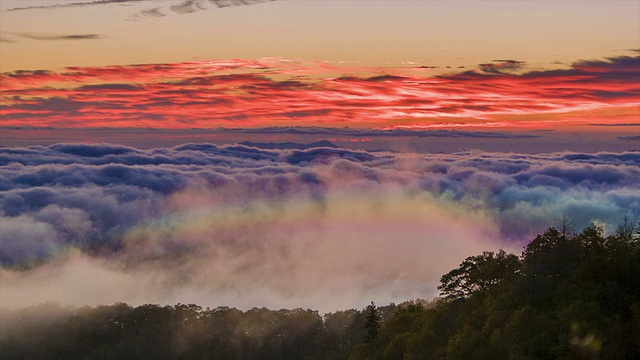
(372, 324)
(569, 296)
(168, 332)
(477, 274)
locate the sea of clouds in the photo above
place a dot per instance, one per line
(323, 228)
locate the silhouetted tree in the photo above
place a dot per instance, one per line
(628, 229)
(372, 323)
(478, 273)
(567, 226)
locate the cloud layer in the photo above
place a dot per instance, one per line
(326, 228)
(276, 92)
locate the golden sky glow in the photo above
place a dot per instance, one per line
(378, 33)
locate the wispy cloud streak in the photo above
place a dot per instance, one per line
(50, 37)
(240, 93)
(73, 4)
(177, 6)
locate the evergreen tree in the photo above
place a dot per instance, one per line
(372, 323)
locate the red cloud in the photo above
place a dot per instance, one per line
(242, 93)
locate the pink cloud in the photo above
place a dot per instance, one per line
(241, 93)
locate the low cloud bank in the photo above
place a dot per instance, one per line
(325, 228)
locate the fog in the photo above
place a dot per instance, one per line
(321, 228)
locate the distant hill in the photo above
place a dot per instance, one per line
(290, 145)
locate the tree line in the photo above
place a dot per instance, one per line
(567, 296)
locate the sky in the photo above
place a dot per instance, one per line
(372, 33)
(162, 151)
(561, 66)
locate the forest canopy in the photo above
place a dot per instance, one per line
(567, 296)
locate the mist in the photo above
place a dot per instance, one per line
(238, 226)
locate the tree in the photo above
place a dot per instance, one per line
(628, 229)
(567, 226)
(478, 273)
(372, 323)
